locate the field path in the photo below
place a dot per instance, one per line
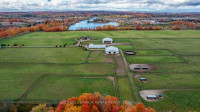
(120, 67)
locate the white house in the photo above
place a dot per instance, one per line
(93, 46)
(112, 50)
(107, 41)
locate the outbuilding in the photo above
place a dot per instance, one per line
(151, 97)
(145, 67)
(112, 50)
(130, 53)
(143, 79)
(93, 46)
(107, 41)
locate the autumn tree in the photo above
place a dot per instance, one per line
(88, 102)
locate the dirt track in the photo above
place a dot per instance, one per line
(144, 93)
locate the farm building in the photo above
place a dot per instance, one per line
(93, 46)
(151, 97)
(143, 79)
(130, 53)
(107, 41)
(112, 50)
(145, 67)
(86, 38)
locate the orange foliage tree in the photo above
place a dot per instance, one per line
(88, 102)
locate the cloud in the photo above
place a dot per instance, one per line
(123, 5)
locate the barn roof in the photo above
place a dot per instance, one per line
(107, 39)
(151, 96)
(96, 46)
(112, 48)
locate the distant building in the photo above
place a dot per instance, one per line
(112, 50)
(107, 41)
(143, 79)
(86, 38)
(93, 46)
(151, 97)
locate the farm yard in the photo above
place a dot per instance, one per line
(48, 74)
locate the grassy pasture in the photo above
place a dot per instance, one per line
(152, 52)
(65, 87)
(17, 78)
(125, 89)
(60, 38)
(44, 55)
(153, 59)
(99, 57)
(177, 101)
(18, 72)
(169, 81)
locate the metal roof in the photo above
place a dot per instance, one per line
(112, 48)
(153, 96)
(107, 39)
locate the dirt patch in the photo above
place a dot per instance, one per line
(136, 76)
(144, 94)
(150, 67)
(110, 60)
(120, 67)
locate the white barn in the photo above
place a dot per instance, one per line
(107, 41)
(112, 50)
(93, 46)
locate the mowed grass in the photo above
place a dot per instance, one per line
(65, 87)
(68, 37)
(44, 55)
(177, 101)
(17, 78)
(153, 52)
(179, 46)
(124, 47)
(99, 57)
(169, 81)
(125, 89)
(153, 59)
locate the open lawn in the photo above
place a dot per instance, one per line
(60, 38)
(177, 101)
(169, 81)
(153, 52)
(125, 89)
(153, 59)
(65, 87)
(99, 57)
(43, 55)
(174, 55)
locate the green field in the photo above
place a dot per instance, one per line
(177, 101)
(44, 55)
(153, 59)
(175, 56)
(66, 87)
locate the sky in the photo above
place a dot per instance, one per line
(109, 5)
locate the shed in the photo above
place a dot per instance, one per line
(143, 79)
(107, 41)
(145, 67)
(151, 97)
(137, 67)
(112, 50)
(130, 53)
(93, 46)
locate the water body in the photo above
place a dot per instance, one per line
(85, 24)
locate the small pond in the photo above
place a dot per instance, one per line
(85, 24)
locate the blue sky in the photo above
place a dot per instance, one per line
(112, 5)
